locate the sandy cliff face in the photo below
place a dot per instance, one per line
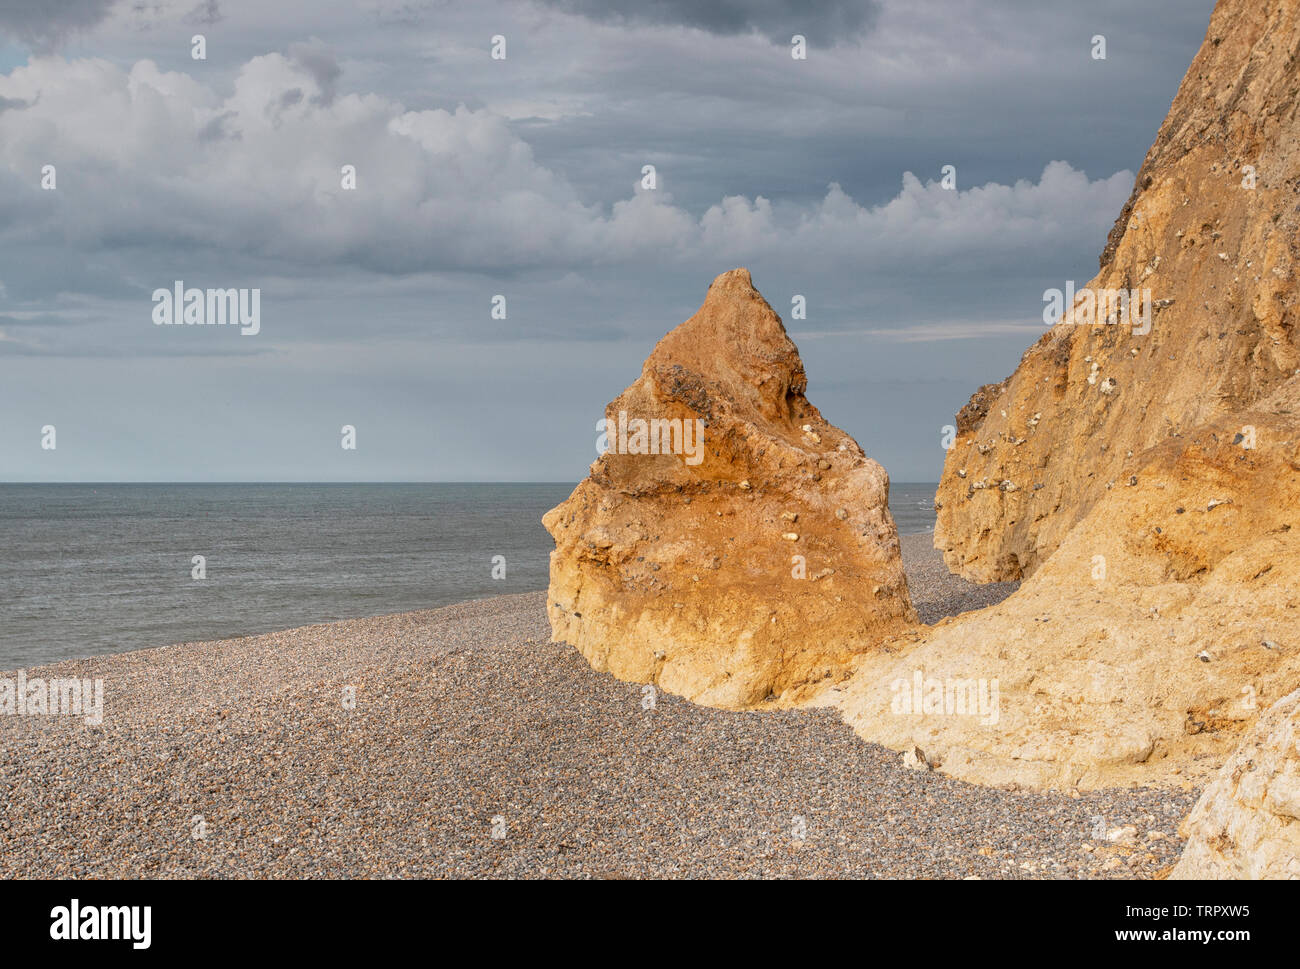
(1212, 233)
(1141, 469)
(758, 554)
(1144, 647)
(1142, 475)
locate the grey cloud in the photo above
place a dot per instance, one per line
(12, 348)
(400, 14)
(321, 64)
(215, 130)
(45, 24)
(451, 191)
(42, 319)
(915, 295)
(823, 22)
(206, 13)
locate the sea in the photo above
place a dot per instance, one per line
(88, 569)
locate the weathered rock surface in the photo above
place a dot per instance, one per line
(1146, 484)
(1144, 647)
(1247, 822)
(1212, 230)
(763, 561)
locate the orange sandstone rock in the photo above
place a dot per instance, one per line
(1144, 648)
(731, 544)
(1141, 471)
(1211, 234)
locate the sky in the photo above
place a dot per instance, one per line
(521, 176)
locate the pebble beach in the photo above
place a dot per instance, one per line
(459, 742)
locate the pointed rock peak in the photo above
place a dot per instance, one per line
(736, 345)
(736, 281)
(733, 302)
(729, 543)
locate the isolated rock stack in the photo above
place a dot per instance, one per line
(731, 543)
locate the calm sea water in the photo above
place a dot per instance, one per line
(912, 506)
(102, 568)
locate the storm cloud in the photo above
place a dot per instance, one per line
(44, 24)
(524, 177)
(821, 21)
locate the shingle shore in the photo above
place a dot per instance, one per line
(468, 722)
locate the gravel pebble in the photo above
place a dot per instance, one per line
(246, 758)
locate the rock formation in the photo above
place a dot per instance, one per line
(1142, 470)
(1247, 822)
(1142, 476)
(1212, 233)
(1145, 645)
(731, 544)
